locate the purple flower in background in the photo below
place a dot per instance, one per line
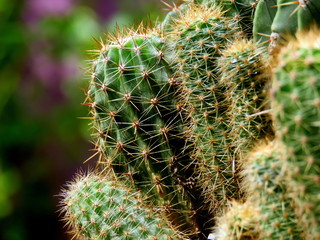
(106, 9)
(37, 9)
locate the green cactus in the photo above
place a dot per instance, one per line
(296, 100)
(285, 21)
(199, 34)
(263, 18)
(202, 33)
(178, 112)
(282, 20)
(242, 10)
(139, 129)
(96, 207)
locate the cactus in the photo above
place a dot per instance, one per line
(242, 10)
(202, 32)
(144, 138)
(102, 208)
(262, 21)
(296, 102)
(178, 114)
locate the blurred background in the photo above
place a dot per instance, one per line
(43, 141)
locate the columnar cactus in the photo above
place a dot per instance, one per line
(202, 32)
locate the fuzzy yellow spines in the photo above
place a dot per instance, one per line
(138, 129)
(239, 222)
(296, 94)
(101, 208)
(267, 178)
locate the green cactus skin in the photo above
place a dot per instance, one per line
(140, 131)
(285, 21)
(286, 18)
(296, 99)
(263, 18)
(102, 209)
(308, 14)
(267, 176)
(136, 121)
(239, 222)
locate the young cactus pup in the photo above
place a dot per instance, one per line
(96, 207)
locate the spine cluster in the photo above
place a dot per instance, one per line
(202, 132)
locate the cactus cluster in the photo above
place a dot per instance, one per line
(201, 131)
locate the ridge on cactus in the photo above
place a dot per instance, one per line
(99, 208)
(282, 20)
(263, 18)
